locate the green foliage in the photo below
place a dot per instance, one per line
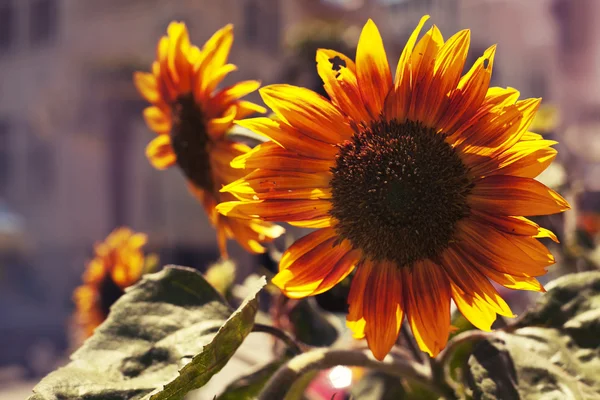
(172, 320)
(553, 352)
(249, 386)
(378, 386)
(313, 325)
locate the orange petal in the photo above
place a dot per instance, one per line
(249, 233)
(526, 159)
(222, 235)
(235, 92)
(376, 306)
(427, 296)
(212, 58)
(304, 245)
(383, 308)
(179, 66)
(157, 120)
(514, 225)
(501, 97)
(475, 310)
(289, 138)
(511, 195)
(355, 318)
(470, 93)
(495, 133)
(246, 108)
(160, 153)
(219, 75)
(402, 69)
(527, 164)
(323, 222)
(166, 86)
(277, 210)
(473, 293)
(449, 65)
(341, 85)
(147, 86)
(531, 136)
(340, 271)
(272, 156)
(398, 100)
(308, 112)
(222, 41)
(513, 282)
(485, 246)
(372, 69)
(218, 126)
(264, 184)
(317, 269)
(492, 131)
(422, 63)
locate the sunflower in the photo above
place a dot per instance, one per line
(118, 263)
(420, 182)
(191, 118)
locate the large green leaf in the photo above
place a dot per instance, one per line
(249, 386)
(172, 320)
(553, 352)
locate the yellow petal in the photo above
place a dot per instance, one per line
(511, 195)
(308, 112)
(157, 120)
(160, 153)
(372, 69)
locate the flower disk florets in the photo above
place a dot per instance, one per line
(189, 140)
(398, 190)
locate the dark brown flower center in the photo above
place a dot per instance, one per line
(398, 191)
(109, 292)
(190, 141)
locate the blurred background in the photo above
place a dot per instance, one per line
(72, 137)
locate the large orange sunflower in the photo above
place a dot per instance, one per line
(191, 117)
(118, 263)
(419, 182)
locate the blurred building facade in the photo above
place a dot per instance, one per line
(72, 135)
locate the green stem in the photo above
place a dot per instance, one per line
(278, 333)
(319, 359)
(411, 344)
(440, 368)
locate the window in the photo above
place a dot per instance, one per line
(4, 155)
(261, 25)
(574, 21)
(539, 84)
(7, 16)
(41, 162)
(43, 21)
(251, 16)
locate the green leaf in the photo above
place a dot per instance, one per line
(249, 386)
(298, 388)
(378, 386)
(313, 325)
(172, 320)
(553, 351)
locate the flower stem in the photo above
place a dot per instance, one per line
(278, 333)
(319, 359)
(411, 343)
(440, 368)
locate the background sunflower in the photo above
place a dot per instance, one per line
(192, 117)
(118, 263)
